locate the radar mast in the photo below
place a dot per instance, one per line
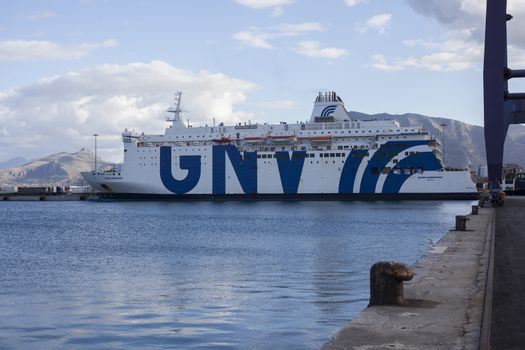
(177, 112)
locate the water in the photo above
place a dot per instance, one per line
(202, 275)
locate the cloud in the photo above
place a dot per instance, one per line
(277, 11)
(275, 5)
(352, 3)
(259, 38)
(33, 50)
(378, 23)
(314, 49)
(252, 39)
(470, 14)
(260, 4)
(61, 113)
(40, 15)
(458, 52)
(462, 47)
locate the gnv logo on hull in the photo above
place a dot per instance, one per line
(290, 169)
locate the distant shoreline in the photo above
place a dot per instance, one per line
(47, 197)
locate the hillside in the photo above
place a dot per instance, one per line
(464, 143)
(57, 169)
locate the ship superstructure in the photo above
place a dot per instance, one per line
(331, 156)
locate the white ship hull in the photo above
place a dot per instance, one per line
(283, 162)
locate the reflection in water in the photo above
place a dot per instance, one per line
(198, 275)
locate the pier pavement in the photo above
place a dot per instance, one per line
(508, 296)
(445, 301)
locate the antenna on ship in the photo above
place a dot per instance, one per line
(177, 111)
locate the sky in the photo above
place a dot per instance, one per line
(72, 68)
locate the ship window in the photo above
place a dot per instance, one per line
(385, 170)
(339, 147)
(395, 161)
(332, 155)
(321, 155)
(406, 153)
(420, 170)
(327, 155)
(338, 154)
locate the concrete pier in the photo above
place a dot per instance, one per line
(508, 297)
(444, 303)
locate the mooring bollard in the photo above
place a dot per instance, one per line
(386, 283)
(461, 223)
(475, 209)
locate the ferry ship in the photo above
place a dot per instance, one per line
(332, 156)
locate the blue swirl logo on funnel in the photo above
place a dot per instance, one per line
(328, 110)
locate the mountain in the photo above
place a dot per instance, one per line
(57, 169)
(13, 162)
(464, 143)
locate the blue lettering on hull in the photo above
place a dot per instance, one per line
(191, 163)
(290, 170)
(426, 161)
(245, 169)
(290, 166)
(380, 159)
(347, 179)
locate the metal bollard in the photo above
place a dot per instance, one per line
(386, 283)
(475, 209)
(461, 223)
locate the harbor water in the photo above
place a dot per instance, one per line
(199, 275)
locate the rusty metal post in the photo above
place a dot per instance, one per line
(386, 283)
(461, 223)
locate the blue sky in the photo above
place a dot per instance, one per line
(73, 68)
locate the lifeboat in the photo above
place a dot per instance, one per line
(254, 139)
(283, 138)
(222, 140)
(320, 138)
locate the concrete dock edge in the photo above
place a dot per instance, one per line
(445, 302)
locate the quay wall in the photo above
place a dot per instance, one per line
(444, 303)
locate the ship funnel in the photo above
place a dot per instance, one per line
(328, 107)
